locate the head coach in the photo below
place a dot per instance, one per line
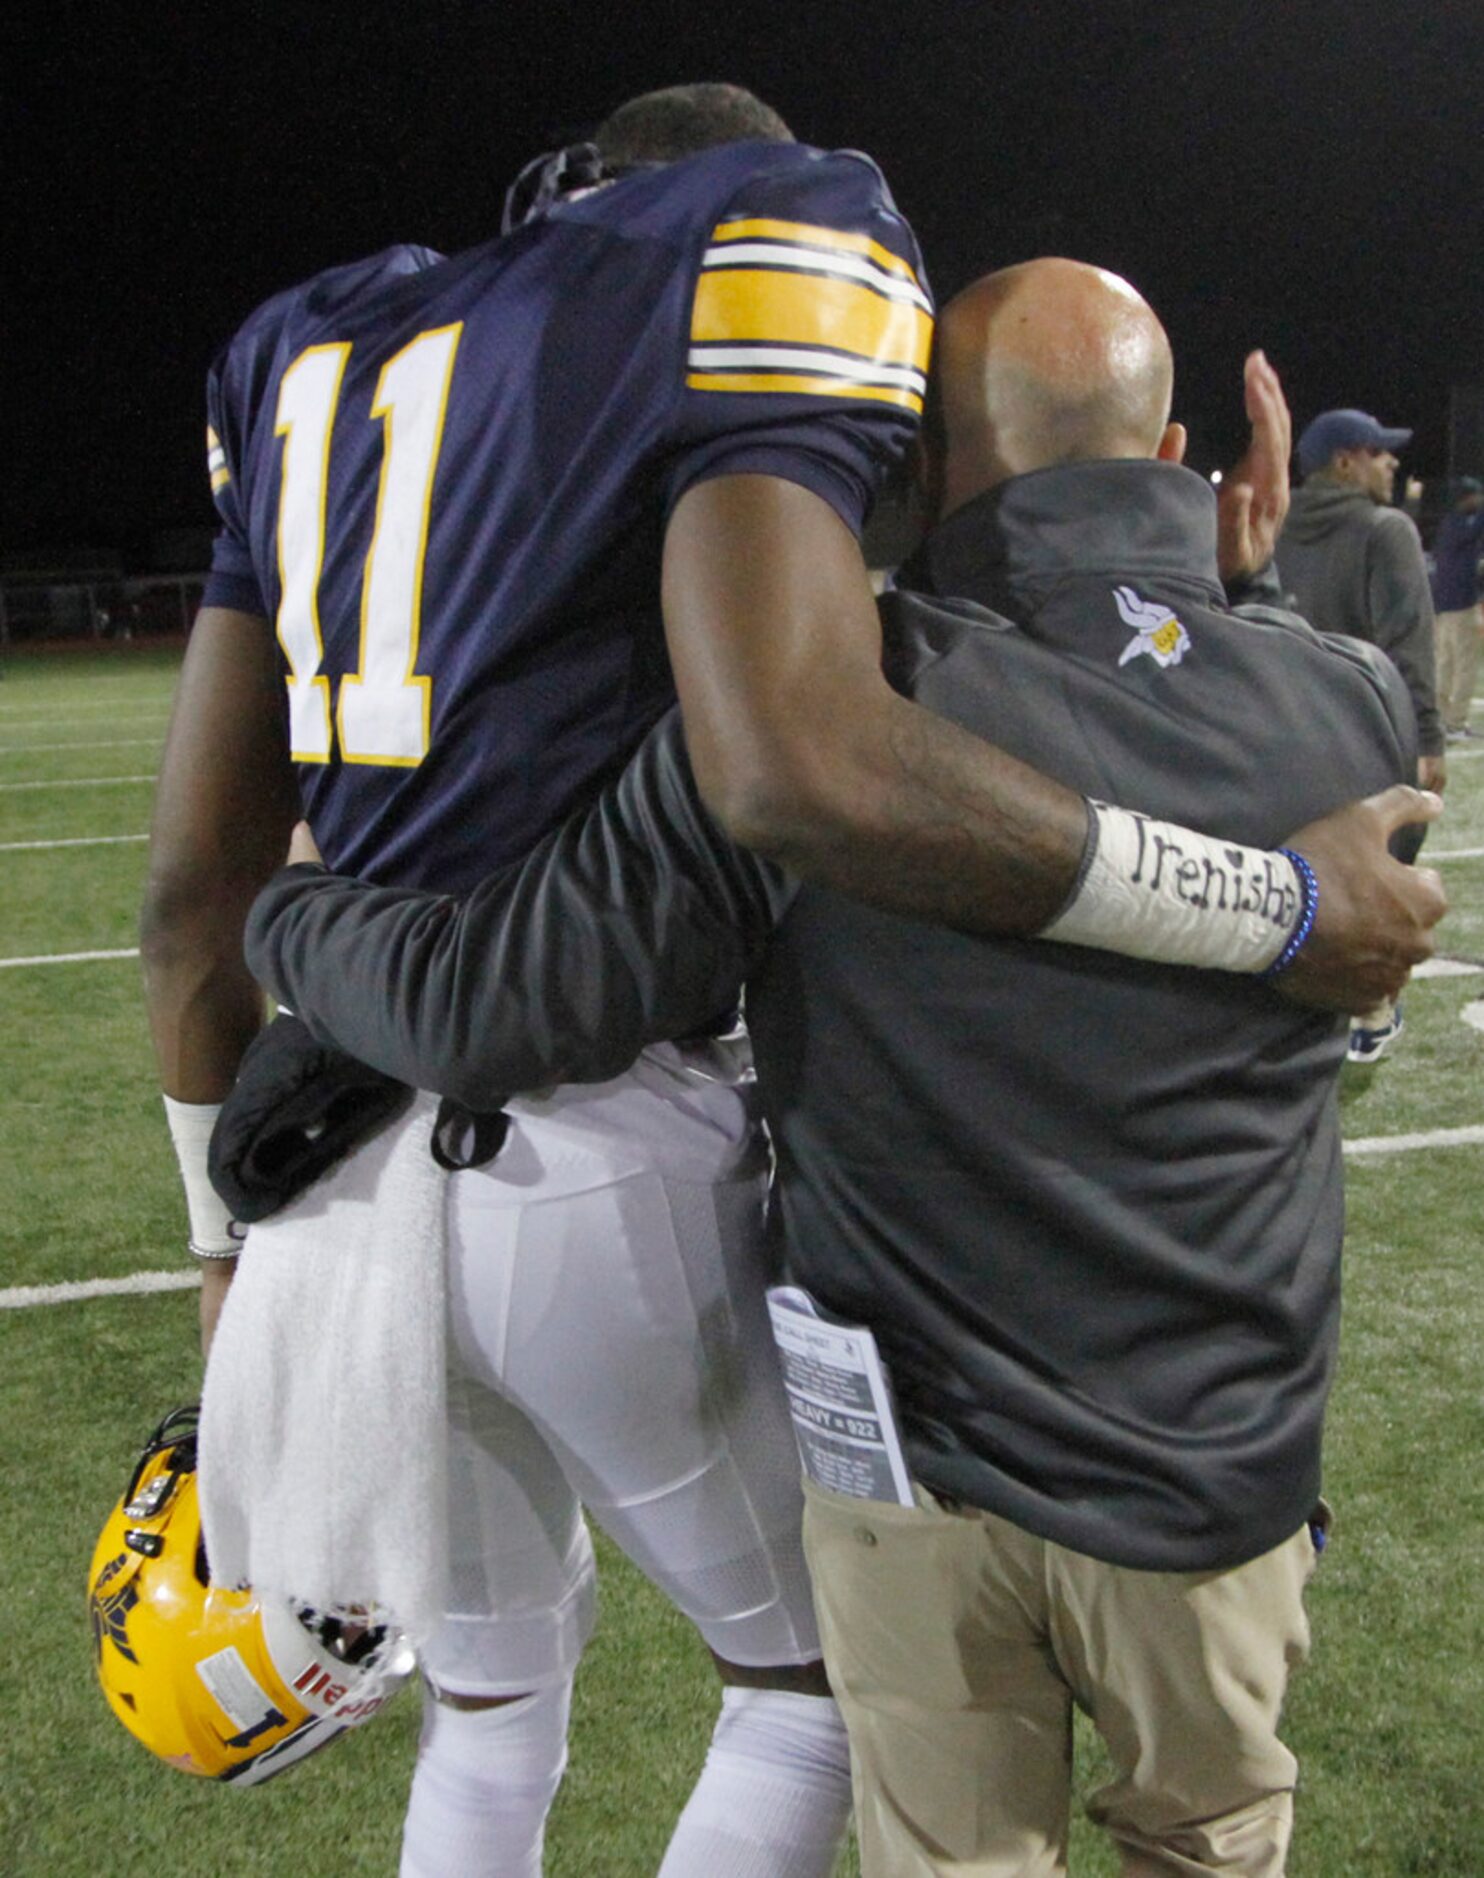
(1090, 1206)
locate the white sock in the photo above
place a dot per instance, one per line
(773, 1800)
(484, 1784)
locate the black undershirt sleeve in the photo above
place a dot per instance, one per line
(635, 922)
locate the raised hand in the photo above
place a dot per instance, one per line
(1252, 501)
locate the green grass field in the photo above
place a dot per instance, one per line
(1386, 1720)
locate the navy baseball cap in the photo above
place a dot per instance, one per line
(1345, 430)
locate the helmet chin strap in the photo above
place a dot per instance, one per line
(557, 173)
(547, 178)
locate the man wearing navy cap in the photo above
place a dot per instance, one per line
(1351, 563)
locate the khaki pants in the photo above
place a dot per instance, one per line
(1458, 661)
(957, 1645)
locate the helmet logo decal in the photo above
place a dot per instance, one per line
(110, 1611)
(1157, 631)
(240, 1695)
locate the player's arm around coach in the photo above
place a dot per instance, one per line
(805, 753)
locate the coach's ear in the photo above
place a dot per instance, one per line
(1172, 444)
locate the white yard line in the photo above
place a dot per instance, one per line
(23, 1297)
(1446, 968)
(1451, 854)
(1404, 1144)
(90, 743)
(69, 958)
(67, 714)
(78, 782)
(69, 841)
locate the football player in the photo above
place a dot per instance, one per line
(480, 519)
(447, 485)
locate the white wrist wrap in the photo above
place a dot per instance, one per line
(1153, 890)
(191, 1124)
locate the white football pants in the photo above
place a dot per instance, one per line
(609, 1347)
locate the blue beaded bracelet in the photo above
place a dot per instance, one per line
(1299, 935)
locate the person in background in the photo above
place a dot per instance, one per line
(1351, 563)
(1456, 587)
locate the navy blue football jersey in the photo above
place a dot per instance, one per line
(446, 482)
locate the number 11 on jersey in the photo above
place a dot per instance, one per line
(383, 711)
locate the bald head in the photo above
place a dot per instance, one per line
(1049, 362)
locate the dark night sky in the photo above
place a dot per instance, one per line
(1292, 175)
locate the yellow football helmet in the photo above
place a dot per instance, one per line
(217, 1682)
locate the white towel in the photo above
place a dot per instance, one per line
(324, 1451)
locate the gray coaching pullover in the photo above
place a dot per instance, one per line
(1091, 1207)
(1351, 565)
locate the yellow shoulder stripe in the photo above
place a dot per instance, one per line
(758, 304)
(807, 234)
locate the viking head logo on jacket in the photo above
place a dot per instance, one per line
(1156, 629)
